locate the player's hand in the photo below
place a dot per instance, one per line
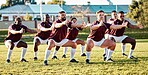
(140, 26)
(65, 22)
(125, 24)
(21, 31)
(101, 23)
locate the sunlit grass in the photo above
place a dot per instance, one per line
(121, 66)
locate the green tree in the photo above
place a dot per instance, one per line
(57, 2)
(138, 11)
(27, 17)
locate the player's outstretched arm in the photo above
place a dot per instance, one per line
(31, 31)
(118, 26)
(138, 26)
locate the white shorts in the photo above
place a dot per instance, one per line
(118, 38)
(41, 41)
(96, 43)
(75, 40)
(15, 43)
(59, 43)
(106, 36)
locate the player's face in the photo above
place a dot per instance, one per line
(114, 15)
(62, 16)
(100, 16)
(47, 18)
(74, 20)
(121, 16)
(18, 22)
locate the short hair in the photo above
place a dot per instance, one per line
(99, 11)
(114, 11)
(73, 18)
(18, 19)
(61, 12)
(121, 12)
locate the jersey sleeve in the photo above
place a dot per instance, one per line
(128, 23)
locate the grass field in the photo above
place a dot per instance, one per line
(61, 66)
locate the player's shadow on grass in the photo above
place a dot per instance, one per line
(143, 58)
(126, 61)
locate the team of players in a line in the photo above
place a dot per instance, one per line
(63, 33)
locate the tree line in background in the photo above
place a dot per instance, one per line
(10, 3)
(138, 11)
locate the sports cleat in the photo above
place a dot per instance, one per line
(64, 56)
(35, 58)
(23, 60)
(104, 55)
(45, 62)
(104, 58)
(132, 57)
(87, 61)
(8, 61)
(54, 57)
(83, 54)
(73, 61)
(123, 54)
(109, 60)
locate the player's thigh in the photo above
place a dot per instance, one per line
(9, 44)
(107, 43)
(37, 42)
(69, 43)
(80, 42)
(21, 44)
(128, 40)
(90, 44)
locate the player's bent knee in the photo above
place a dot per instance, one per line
(74, 45)
(25, 45)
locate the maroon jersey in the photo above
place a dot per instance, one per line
(111, 20)
(73, 32)
(58, 34)
(15, 37)
(44, 34)
(98, 34)
(119, 32)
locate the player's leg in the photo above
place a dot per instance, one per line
(71, 44)
(10, 46)
(89, 47)
(55, 52)
(123, 49)
(51, 44)
(64, 52)
(133, 43)
(82, 46)
(36, 44)
(107, 36)
(111, 46)
(24, 49)
(106, 49)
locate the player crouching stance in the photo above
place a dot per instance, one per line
(42, 36)
(96, 36)
(58, 35)
(13, 39)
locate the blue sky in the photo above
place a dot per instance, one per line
(93, 2)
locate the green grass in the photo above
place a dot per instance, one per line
(121, 66)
